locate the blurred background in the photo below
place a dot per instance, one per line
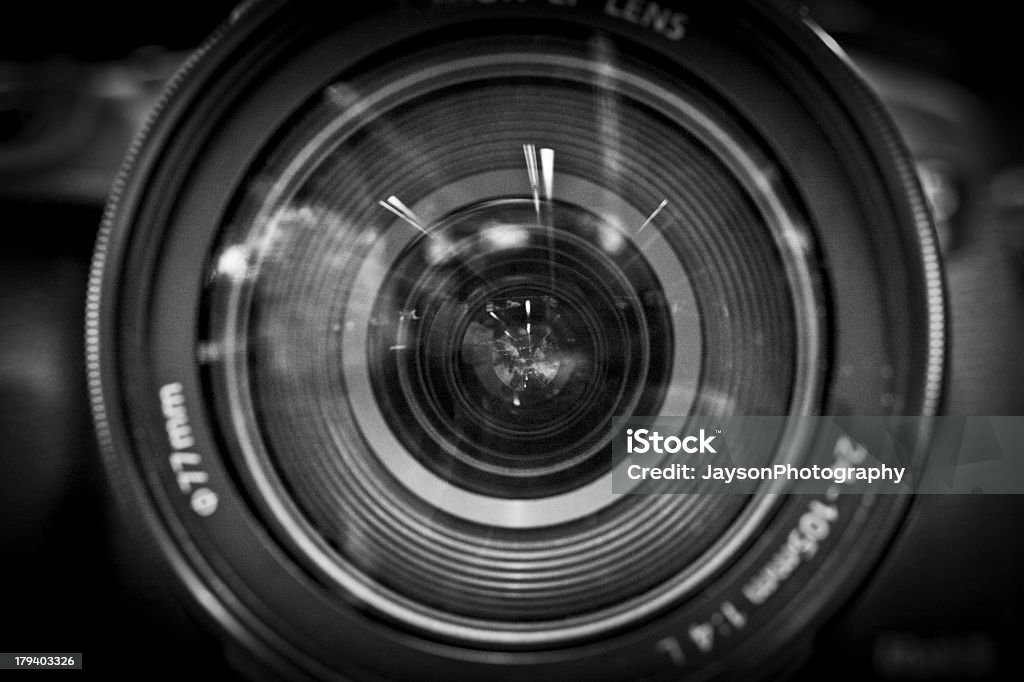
(76, 81)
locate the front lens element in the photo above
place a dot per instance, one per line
(443, 283)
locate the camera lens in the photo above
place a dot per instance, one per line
(361, 320)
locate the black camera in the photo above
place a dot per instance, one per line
(373, 285)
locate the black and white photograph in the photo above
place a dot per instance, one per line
(513, 340)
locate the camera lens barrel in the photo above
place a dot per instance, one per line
(373, 283)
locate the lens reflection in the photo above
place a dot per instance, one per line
(460, 267)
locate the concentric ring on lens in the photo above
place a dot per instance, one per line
(413, 542)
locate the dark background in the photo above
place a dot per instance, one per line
(76, 80)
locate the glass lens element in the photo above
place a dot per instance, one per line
(442, 282)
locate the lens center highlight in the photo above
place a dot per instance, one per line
(527, 352)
